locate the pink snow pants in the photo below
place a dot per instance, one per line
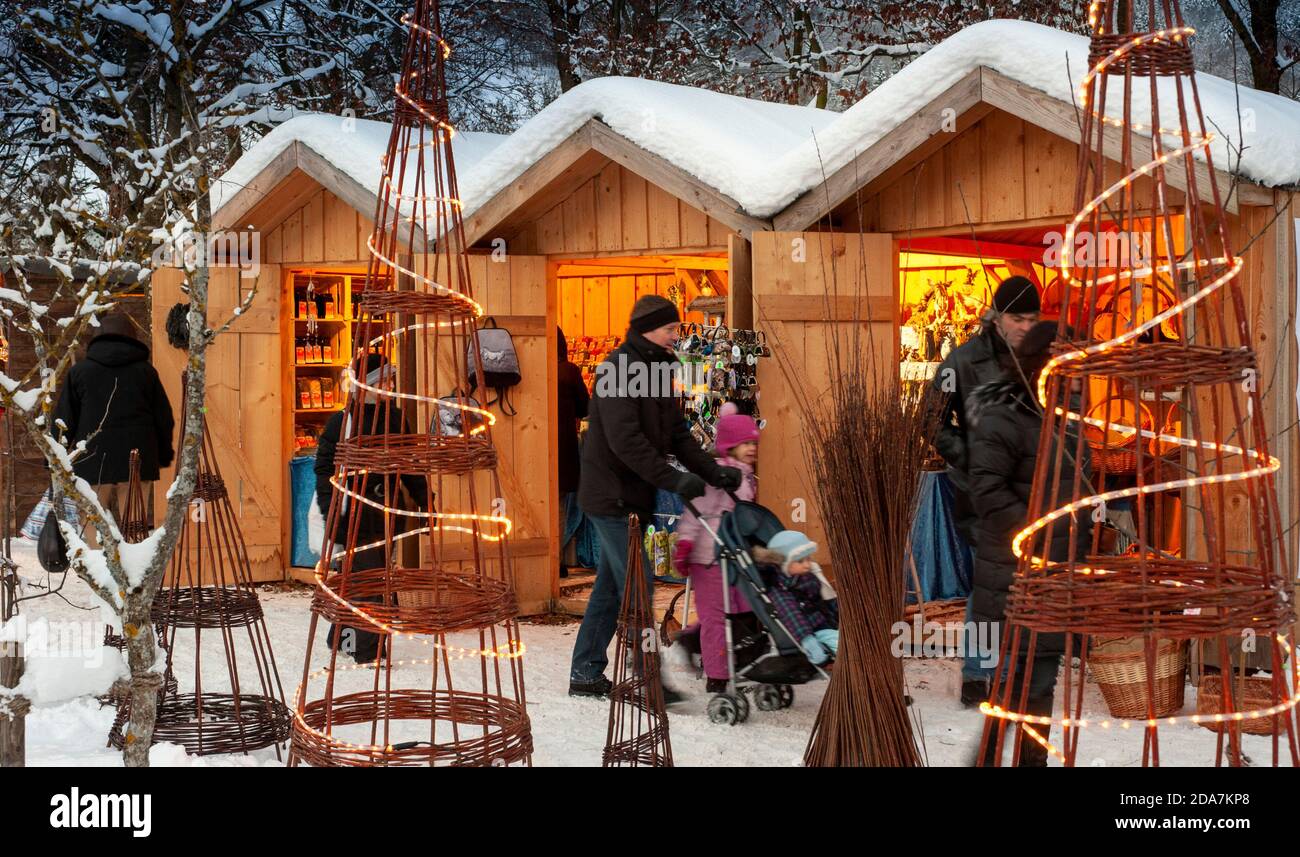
(706, 590)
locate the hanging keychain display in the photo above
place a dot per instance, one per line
(721, 365)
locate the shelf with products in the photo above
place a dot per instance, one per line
(320, 344)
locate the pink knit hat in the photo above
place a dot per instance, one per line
(733, 429)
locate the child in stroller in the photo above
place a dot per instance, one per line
(803, 598)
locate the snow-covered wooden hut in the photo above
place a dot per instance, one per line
(962, 162)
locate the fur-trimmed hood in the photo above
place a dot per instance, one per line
(1004, 392)
(766, 556)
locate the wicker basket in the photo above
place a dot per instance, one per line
(1249, 693)
(1116, 462)
(1120, 670)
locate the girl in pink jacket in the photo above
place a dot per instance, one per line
(736, 446)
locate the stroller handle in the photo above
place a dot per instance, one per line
(704, 523)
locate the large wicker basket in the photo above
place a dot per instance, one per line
(1249, 693)
(1119, 667)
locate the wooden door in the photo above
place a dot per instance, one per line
(808, 286)
(513, 291)
(245, 416)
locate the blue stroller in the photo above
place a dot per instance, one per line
(763, 657)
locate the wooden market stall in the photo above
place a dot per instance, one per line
(970, 188)
(966, 202)
(587, 234)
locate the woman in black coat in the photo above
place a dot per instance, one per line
(573, 404)
(114, 401)
(408, 491)
(1004, 423)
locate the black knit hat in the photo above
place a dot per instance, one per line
(651, 311)
(1016, 294)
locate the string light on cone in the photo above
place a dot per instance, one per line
(412, 557)
(995, 711)
(1158, 593)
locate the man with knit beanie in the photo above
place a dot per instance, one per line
(635, 425)
(981, 359)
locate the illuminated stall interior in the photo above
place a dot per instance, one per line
(946, 283)
(595, 297)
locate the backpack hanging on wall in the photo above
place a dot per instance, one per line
(500, 364)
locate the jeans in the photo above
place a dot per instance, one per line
(971, 668)
(600, 621)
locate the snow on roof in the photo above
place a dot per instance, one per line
(352, 145)
(726, 141)
(766, 155)
(1054, 62)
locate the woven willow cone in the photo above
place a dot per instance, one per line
(236, 705)
(638, 722)
(1191, 351)
(135, 524)
(419, 553)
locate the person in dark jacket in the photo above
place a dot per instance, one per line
(114, 401)
(1004, 422)
(572, 407)
(636, 423)
(979, 360)
(378, 417)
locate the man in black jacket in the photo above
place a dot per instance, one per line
(981, 359)
(1004, 422)
(114, 401)
(636, 423)
(378, 418)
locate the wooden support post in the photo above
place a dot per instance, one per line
(740, 283)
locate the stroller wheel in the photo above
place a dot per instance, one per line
(724, 708)
(787, 695)
(742, 702)
(767, 697)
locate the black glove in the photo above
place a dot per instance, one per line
(728, 478)
(690, 486)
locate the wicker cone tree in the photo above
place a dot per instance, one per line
(638, 722)
(136, 524)
(209, 587)
(419, 553)
(1135, 341)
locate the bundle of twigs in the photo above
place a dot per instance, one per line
(864, 443)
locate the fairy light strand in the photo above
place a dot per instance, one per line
(1263, 465)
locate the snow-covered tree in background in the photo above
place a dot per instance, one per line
(119, 113)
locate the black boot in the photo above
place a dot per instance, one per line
(716, 685)
(598, 688)
(1032, 753)
(973, 692)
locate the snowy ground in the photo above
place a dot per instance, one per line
(569, 732)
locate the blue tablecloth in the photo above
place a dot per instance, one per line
(302, 485)
(942, 557)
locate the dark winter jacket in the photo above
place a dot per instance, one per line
(115, 395)
(633, 429)
(572, 407)
(376, 485)
(1004, 428)
(979, 360)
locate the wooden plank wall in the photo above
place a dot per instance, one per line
(791, 307)
(513, 291)
(244, 405)
(1268, 283)
(1000, 170)
(600, 306)
(618, 210)
(326, 230)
